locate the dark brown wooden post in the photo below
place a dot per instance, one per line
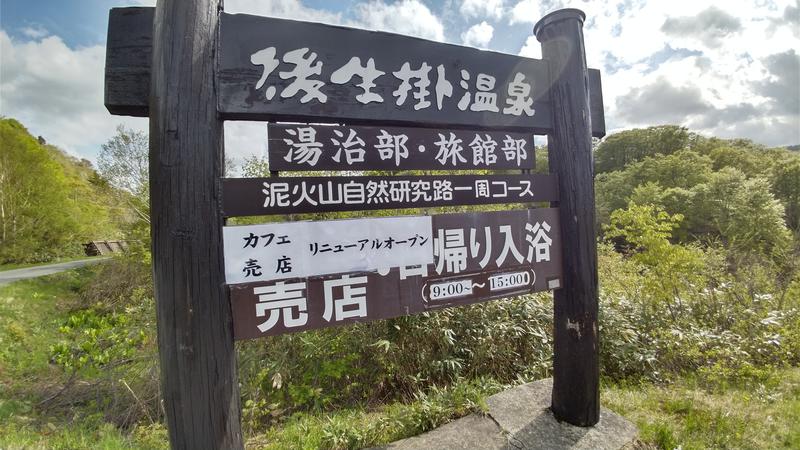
(195, 339)
(576, 374)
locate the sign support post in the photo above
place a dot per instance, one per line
(195, 339)
(576, 373)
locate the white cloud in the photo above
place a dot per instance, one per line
(710, 26)
(493, 9)
(526, 11)
(715, 51)
(410, 17)
(532, 48)
(35, 32)
(57, 92)
(478, 35)
(245, 138)
(285, 9)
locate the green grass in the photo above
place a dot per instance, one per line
(760, 411)
(359, 428)
(685, 414)
(691, 414)
(31, 312)
(15, 435)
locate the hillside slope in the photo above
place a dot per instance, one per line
(50, 202)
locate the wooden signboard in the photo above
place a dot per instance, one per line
(129, 52)
(476, 257)
(321, 147)
(314, 72)
(289, 195)
(359, 101)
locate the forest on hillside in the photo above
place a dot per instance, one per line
(699, 251)
(50, 202)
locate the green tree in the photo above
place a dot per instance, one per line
(626, 147)
(742, 212)
(682, 169)
(669, 270)
(674, 200)
(254, 167)
(50, 203)
(664, 180)
(542, 161)
(747, 161)
(612, 192)
(32, 198)
(123, 161)
(786, 186)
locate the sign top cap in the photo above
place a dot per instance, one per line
(558, 16)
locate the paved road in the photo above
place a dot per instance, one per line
(9, 276)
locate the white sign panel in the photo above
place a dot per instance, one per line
(451, 289)
(301, 249)
(510, 281)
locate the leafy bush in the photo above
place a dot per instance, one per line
(671, 309)
(666, 309)
(108, 348)
(93, 341)
(396, 359)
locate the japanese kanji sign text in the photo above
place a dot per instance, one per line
(314, 72)
(301, 249)
(279, 195)
(325, 147)
(475, 257)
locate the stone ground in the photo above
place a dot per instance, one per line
(520, 418)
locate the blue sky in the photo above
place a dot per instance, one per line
(79, 23)
(730, 69)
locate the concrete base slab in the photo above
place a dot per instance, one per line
(520, 418)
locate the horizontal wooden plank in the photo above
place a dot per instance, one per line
(478, 257)
(128, 59)
(325, 147)
(278, 69)
(289, 195)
